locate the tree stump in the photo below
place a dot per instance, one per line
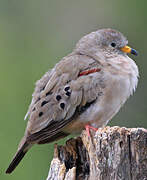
(112, 153)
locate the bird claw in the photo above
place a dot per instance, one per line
(88, 127)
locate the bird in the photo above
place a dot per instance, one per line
(84, 90)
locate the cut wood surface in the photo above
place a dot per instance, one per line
(112, 153)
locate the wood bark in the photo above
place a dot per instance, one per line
(112, 153)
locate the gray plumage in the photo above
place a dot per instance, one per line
(65, 100)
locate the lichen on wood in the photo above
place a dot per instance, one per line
(112, 153)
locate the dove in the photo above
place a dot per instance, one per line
(83, 91)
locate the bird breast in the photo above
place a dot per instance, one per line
(117, 89)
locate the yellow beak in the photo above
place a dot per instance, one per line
(127, 49)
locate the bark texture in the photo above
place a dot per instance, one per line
(112, 153)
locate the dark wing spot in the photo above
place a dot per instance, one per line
(67, 88)
(62, 105)
(48, 93)
(40, 114)
(58, 97)
(68, 93)
(43, 103)
(42, 88)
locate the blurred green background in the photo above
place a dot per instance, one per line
(34, 35)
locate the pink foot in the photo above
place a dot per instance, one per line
(88, 127)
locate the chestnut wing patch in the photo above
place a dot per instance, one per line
(90, 71)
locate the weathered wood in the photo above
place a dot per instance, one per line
(112, 153)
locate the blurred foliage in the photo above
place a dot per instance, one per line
(34, 35)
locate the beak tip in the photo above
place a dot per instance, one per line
(134, 52)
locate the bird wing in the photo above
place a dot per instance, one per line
(60, 94)
(40, 86)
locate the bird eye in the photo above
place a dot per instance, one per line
(113, 44)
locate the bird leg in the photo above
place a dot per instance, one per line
(88, 127)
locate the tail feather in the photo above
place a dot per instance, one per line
(18, 157)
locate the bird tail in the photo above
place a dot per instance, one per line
(18, 156)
